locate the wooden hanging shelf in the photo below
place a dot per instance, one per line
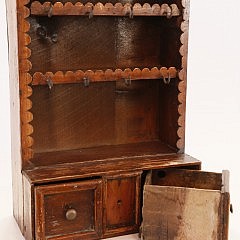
(99, 9)
(103, 76)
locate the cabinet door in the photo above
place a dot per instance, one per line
(69, 211)
(183, 204)
(121, 204)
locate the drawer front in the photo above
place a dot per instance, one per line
(121, 204)
(69, 211)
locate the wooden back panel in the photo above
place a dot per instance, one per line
(72, 116)
(84, 43)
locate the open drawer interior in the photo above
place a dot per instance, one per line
(187, 179)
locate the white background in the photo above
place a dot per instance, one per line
(213, 103)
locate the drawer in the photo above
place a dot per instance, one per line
(69, 211)
(121, 204)
(185, 204)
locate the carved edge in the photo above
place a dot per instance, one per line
(101, 76)
(24, 80)
(183, 77)
(49, 9)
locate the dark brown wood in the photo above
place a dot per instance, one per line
(168, 107)
(98, 93)
(53, 202)
(74, 170)
(111, 152)
(224, 223)
(115, 51)
(121, 204)
(116, 114)
(187, 178)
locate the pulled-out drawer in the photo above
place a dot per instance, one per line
(185, 204)
(69, 211)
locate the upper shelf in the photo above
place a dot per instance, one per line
(99, 9)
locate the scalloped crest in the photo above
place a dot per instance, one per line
(100, 76)
(100, 9)
(24, 80)
(183, 77)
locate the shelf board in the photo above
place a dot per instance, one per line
(103, 76)
(98, 161)
(99, 9)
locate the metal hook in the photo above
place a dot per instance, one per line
(54, 38)
(90, 15)
(41, 31)
(49, 83)
(168, 80)
(50, 11)
(86, 81)
(128, 81)
(169, 13)
(131, 13)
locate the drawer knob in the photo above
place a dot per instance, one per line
(71, 214)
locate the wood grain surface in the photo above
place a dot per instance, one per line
(52, 203)
(74, 170)
(185, 204)
(109, 75)
(121, 203)
(79, 113)
(181, 213)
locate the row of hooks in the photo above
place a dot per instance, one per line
(86, 81)
(130, 12)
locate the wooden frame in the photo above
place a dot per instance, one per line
(97, 89)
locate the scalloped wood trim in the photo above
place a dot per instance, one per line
(183, 77)
(99, 9)
(24, 80)
(101, 76)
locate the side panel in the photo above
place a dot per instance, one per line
(28, 210)
(15, 112)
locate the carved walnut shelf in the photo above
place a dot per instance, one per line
(103, 76)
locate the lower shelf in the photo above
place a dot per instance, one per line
(99, 161)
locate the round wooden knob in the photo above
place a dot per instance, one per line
(71, 214)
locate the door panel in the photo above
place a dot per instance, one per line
(121, 204)
(196, 208)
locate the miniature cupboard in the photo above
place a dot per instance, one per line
(98, 93)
